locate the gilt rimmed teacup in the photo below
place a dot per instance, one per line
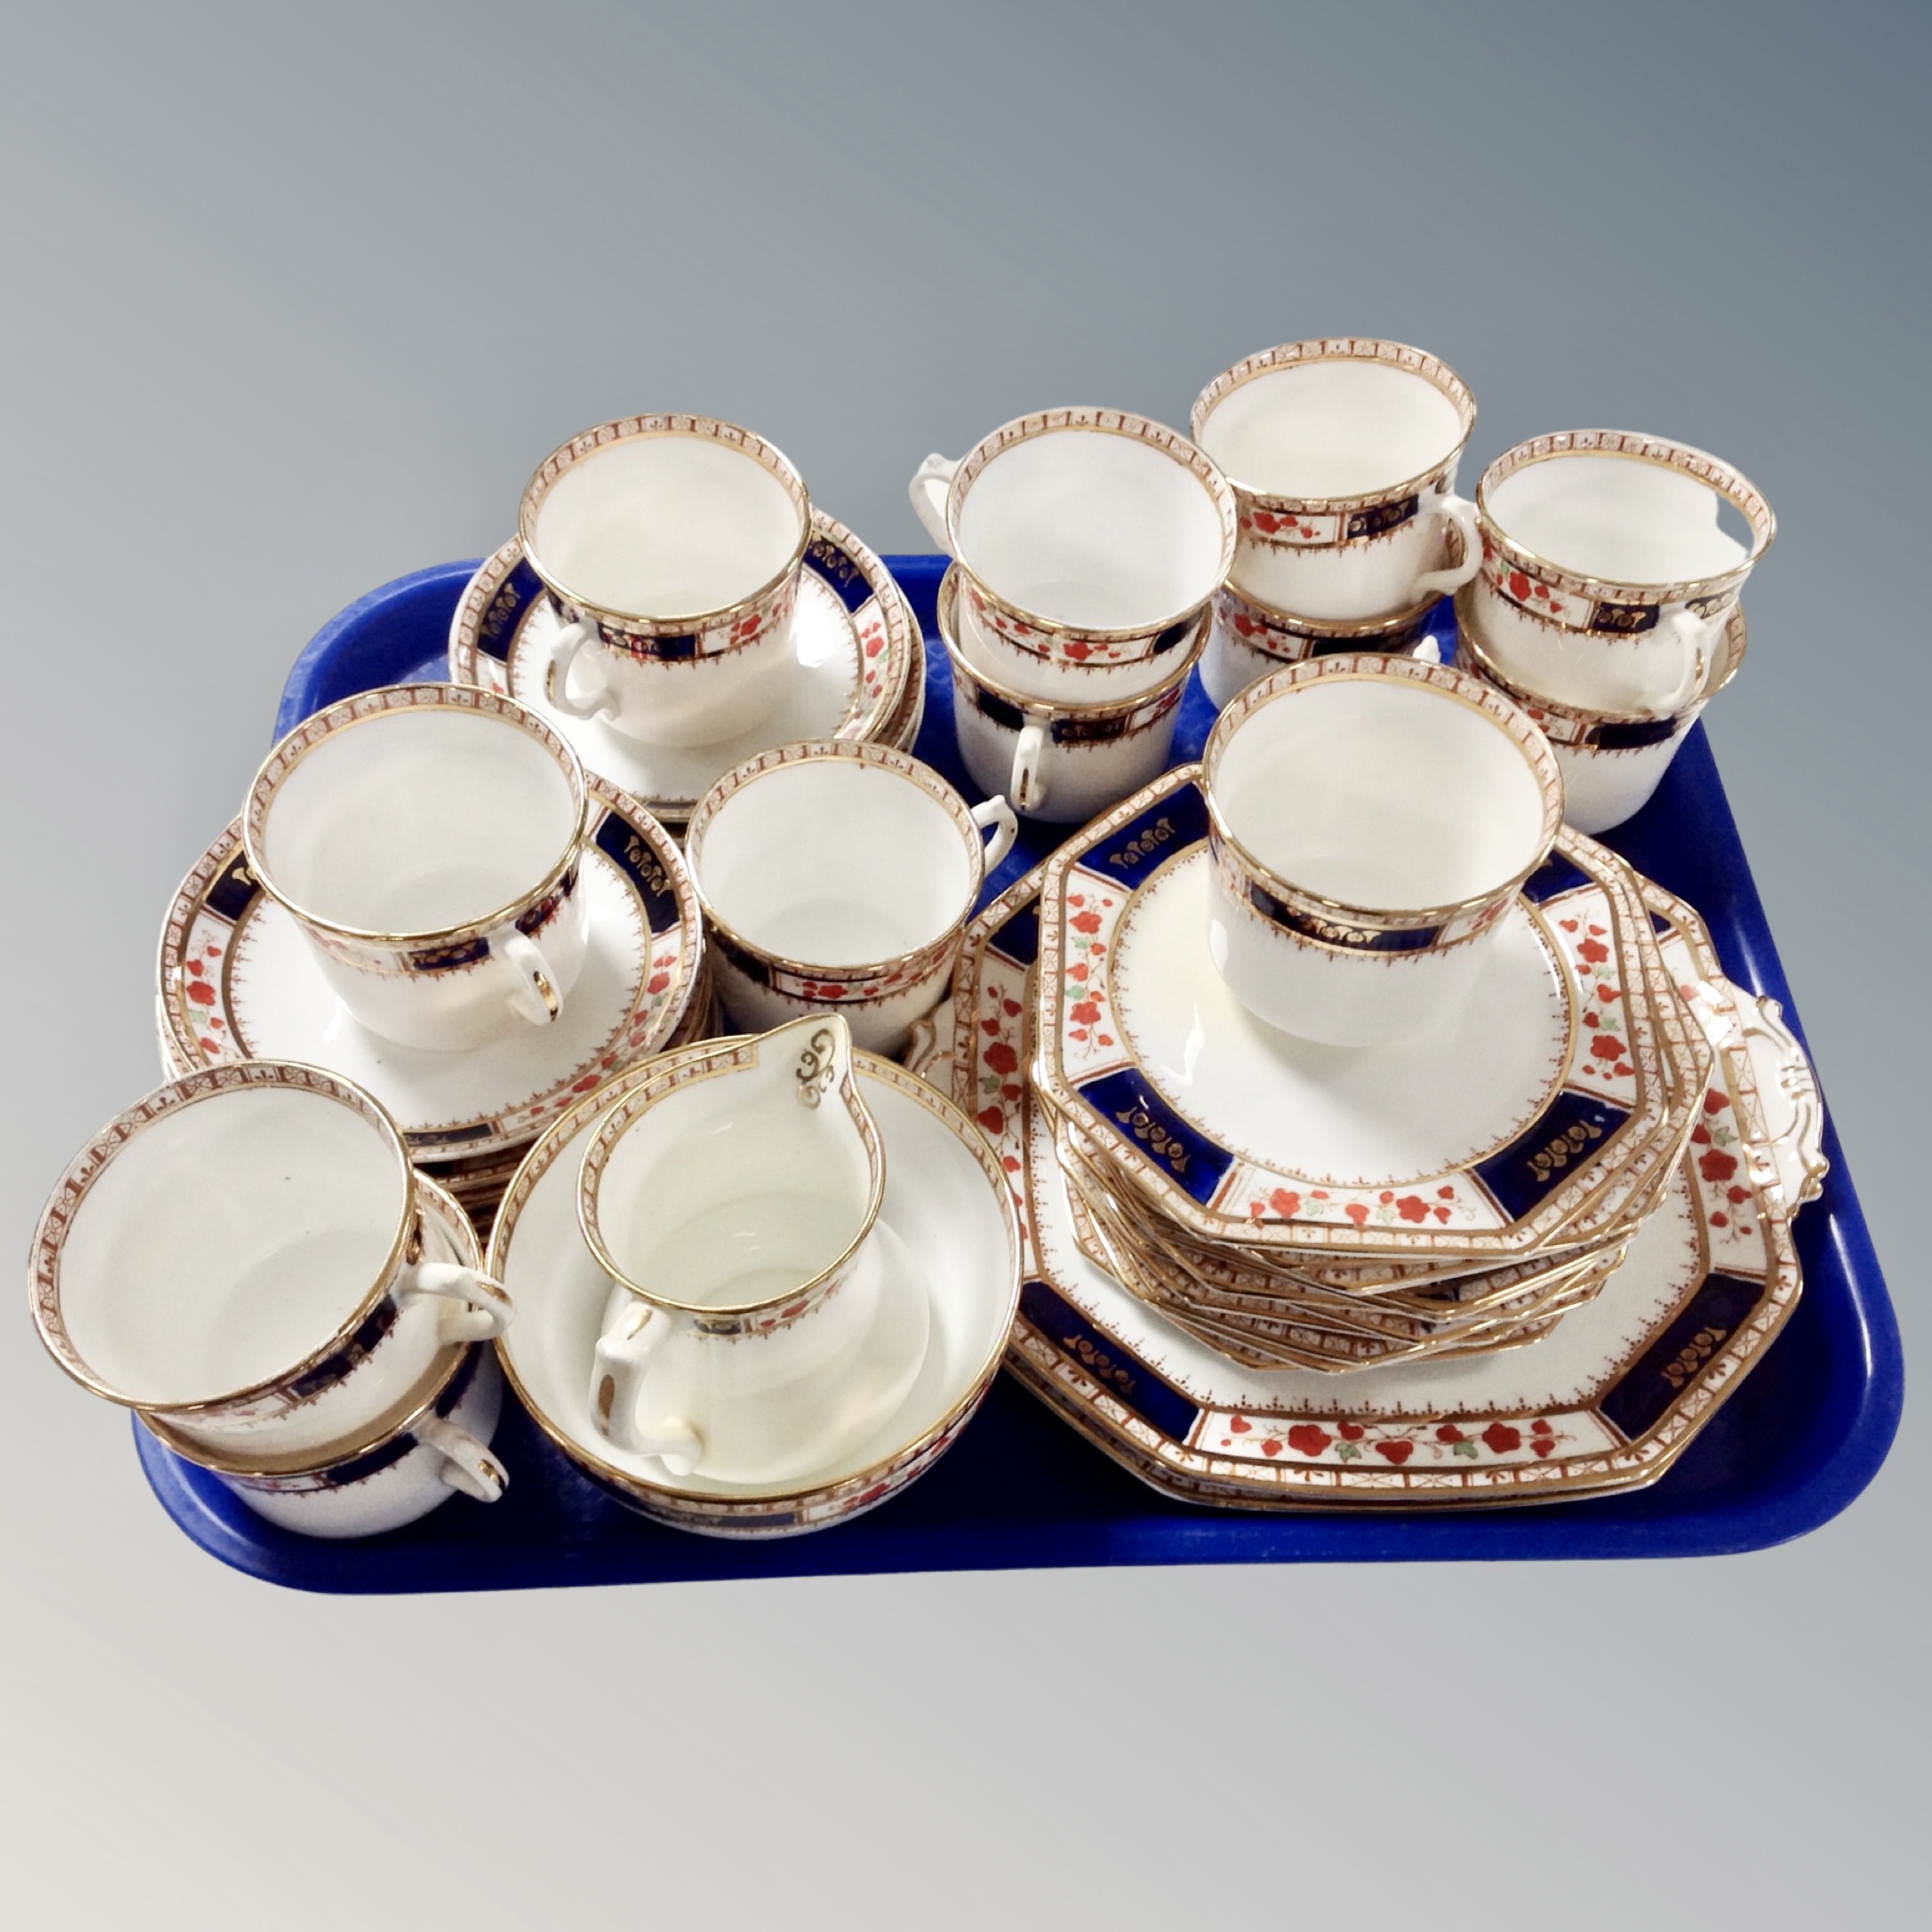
(1610, 764)
(838, 877)
(1370, 819)
(1058, 761)
(1341, 453)
(435, 1444)
(730, 1199)
(1251, 640)
(426, 839)
(247, 1255)
(1605, 574)
(671, 546)
(1090, 538)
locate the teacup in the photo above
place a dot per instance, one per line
(1341, 453)
(246, 1255)
(434, 1446)
(1091, 540)
(838, 877)
(1611, 765)
(1251, 640)
(427, 838)
(671, 546)
(1058, 761)
(729, 1200)
(1605, 575)
(1370, 819)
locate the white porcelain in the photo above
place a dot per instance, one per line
(239, 980)
(1611, 765)
(1372, 820)
(671, 546)
(1249, 641)
(729, 1200)
(1092, 539)
(947, 1202)
(426, 838)
(1057, 761)
(1341, 453)
(1606, 574)
(858, 669)
(247, 1253)
(1539, 1118)
(838, 877)
(384, 1482)
(1063, 678)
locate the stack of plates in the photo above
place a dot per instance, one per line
(1220, 1218)
(859, 671)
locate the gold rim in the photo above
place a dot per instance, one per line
(565, 1128)
(191, 1089)
(886, 758)
(578, 448)
(1169, 443)
(1340, 349)
(613, 1130)
(1735, 638)
(1459, 686)
(946, 613)
(457, 698)
(1737, 489)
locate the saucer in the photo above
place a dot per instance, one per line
(238, 980)
(946, 1199)
(860, 668)
(1606, 1401)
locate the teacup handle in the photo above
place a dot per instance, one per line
(619, 1374)
(565, 652)
(1692, 632)
(1461, 511)
(535, 999)
(467, 1466)
(930, 484)
(486, 1306)
(1028, 786)
(998, 814)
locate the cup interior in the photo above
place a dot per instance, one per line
(1091, 529)
(1621, 519)
(227, 1241)
(666, 526)
(835, 863)
(713, 1197)
(416, 821)
(1320, 429)
(1380, 794)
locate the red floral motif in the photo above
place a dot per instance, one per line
(1285, 1202)
(201, 993)
(1606, 1047)
(1716, 1166)
(1594, 951)
(1400, 1442)
(1500, 1438)
(1001, 1057)
(1412, 1207)
(1086, 1012)
(1397, 1451)
(1085, 922)
(1310, 1438)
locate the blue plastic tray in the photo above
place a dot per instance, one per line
(1792, 1448)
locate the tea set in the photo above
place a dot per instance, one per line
(1331, 1122)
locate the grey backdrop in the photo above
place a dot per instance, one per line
(295, 298)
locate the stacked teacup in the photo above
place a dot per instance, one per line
(1341, 453)
(1088, 546)
(1606, 601)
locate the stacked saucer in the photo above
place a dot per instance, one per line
(1606, 1399)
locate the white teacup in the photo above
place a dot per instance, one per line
(1341, 453)
(671, 546)
(426, 840)
(731, 1200)
(244, 1254)
(1058, 761)
(838, 877)
(1369, 819)
(1605, 575)
(1611, 765)
(1091, 539)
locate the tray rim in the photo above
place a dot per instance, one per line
(1848, 1433)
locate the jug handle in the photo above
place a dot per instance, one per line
(618, 1376)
